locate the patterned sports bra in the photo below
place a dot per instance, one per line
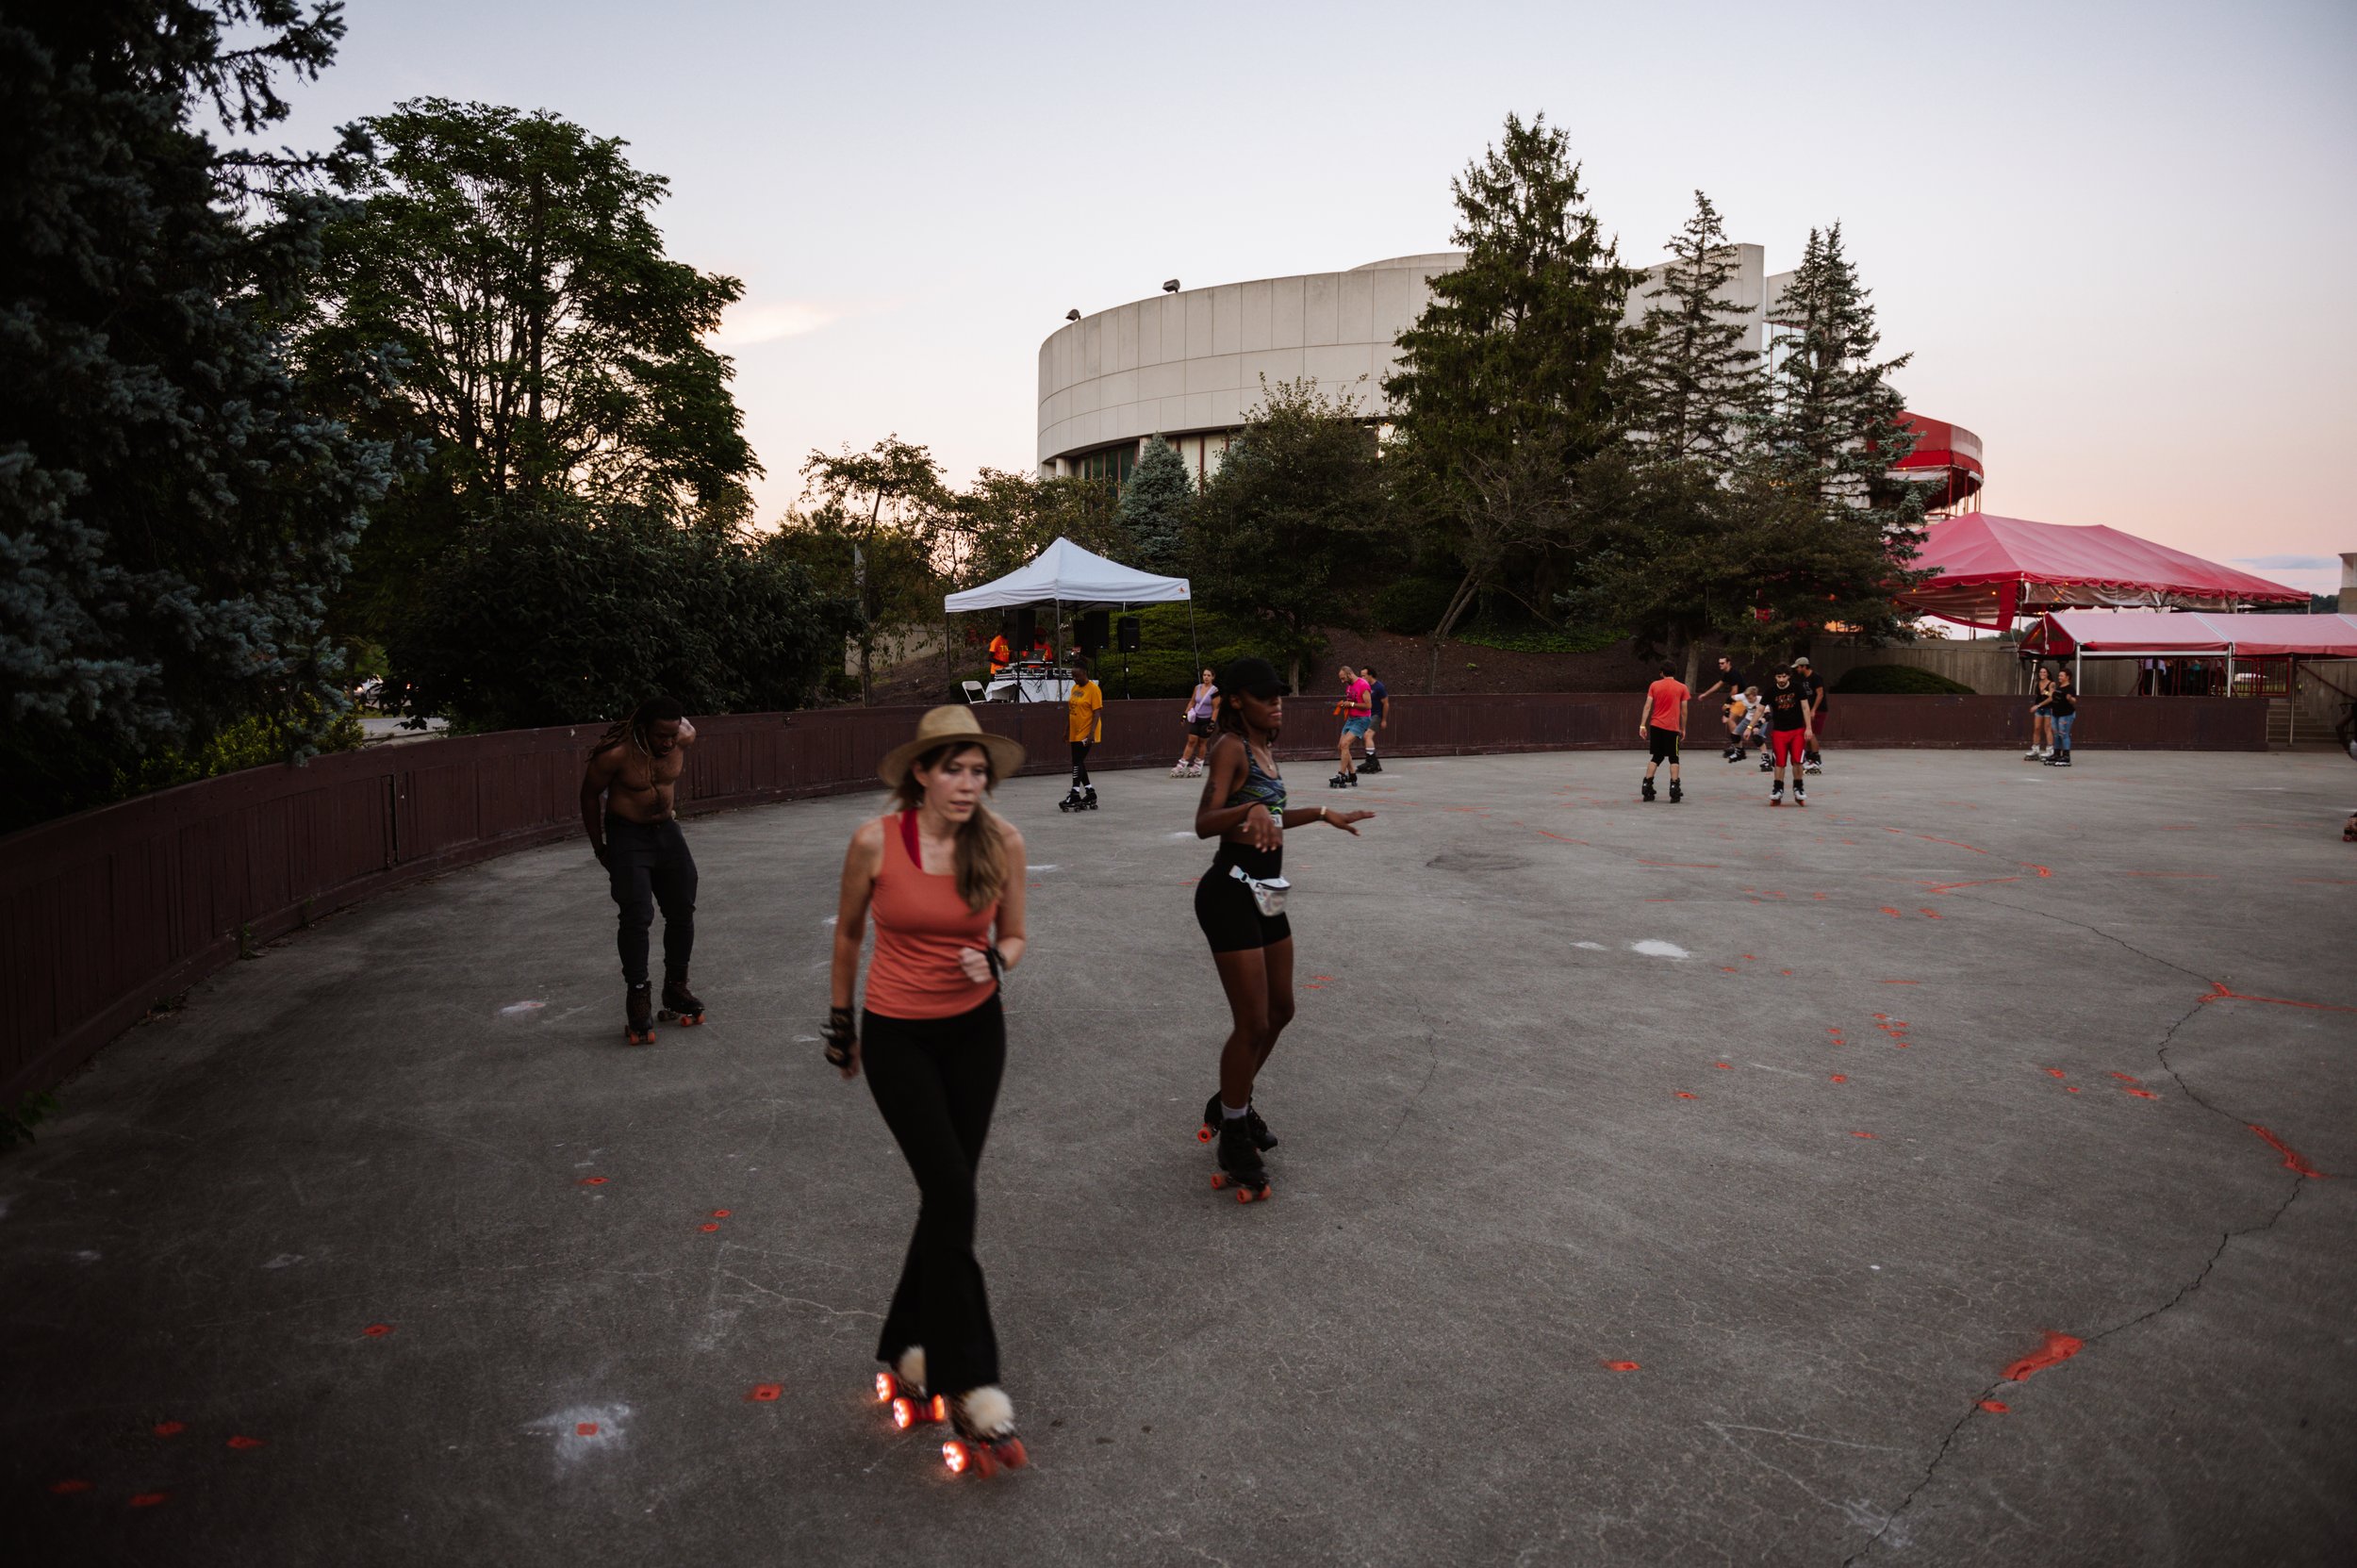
(1259, 787)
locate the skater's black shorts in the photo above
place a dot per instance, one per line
(1202, 729)
(1223, 906)
(1664, 743)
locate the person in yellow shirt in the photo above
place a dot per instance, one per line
(1084, 726)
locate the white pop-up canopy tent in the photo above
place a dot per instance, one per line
(1063, 575)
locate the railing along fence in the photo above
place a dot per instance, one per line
(108, 914)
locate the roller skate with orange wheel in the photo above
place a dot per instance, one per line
(680, 1004)
(638, 1015)
(900, 1390)
(1261, 1137)
(985, 1442)
(1240, 1165)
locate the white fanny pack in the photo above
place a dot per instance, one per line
(1269, 894)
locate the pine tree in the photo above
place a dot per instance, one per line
(174, 509)
(1503, 387)
(1686, 384)
(1154, 506)
(1834, 428)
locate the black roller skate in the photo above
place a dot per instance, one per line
(1262, 1138)
(1799, 793)
(1342, 781)
(1372, 764)
(638, 1015)
(680, 1005)
(1776, 796)
(1644, 791)
(1677, 792)
(1073, 801)
(1766, 764)
(1088, 797)
(1812, 763)
(1240, 1163)
(901, 1389)
(985, 1419)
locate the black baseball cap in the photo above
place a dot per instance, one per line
(1253, 678)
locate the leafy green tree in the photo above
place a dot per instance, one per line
(561, 613)
(173, 510)
(1503, 387)
(1155, 507)
(1295, 523)
(550, 348)
(875, 518)
(1679, 556)
(1686, 383)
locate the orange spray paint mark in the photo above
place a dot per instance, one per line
(377, 1331)
(67, 1489)
(2127, 1078)
(1841, 1077)
(584, 1428)
(2057, 1350)
(720, 1214)
(1724, 1066)
(1861, 1134)
(169, 1429)
(2219, 992)
(242, 1443)
(1618, 1366)
(1995, 1407)
(2057, 1072)
(1893, 913)
(2292, 1159)
(1930, 914)
(592, 1181)
(1683, 1095)
(709, 1226)
(2141, 1094)
(149, 1499)
(764, 1394)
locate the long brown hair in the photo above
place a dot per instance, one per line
(982, 852)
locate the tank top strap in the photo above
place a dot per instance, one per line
(909, 840)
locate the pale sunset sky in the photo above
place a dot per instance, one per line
(2115, 238)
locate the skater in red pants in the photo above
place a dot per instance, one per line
(943, 876)
(1240, 904)
(1788, 736)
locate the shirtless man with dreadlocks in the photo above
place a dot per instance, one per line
(635, 836)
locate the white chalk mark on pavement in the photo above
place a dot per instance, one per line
(1652, 948)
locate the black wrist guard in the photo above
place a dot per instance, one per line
(840, 1035)
(997, 964)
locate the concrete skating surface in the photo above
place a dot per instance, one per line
(1660, 1183)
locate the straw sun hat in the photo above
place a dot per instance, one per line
(952, 721)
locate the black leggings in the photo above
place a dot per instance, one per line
(1079, 764)
(648, 864)
(937, 1082)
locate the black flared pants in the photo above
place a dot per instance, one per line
(937, 1082)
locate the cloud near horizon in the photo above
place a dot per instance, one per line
(751, 322)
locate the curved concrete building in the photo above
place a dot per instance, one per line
(1188, 365)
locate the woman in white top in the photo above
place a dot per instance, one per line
(1202, 715)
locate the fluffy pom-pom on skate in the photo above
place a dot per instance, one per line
(986, 1411)
(910, 1369)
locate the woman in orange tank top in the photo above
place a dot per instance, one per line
(943, 876)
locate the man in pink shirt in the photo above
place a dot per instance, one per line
(1358, 711)
(1659, 724)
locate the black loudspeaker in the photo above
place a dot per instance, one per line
(1128, 626)
(1026, 625)
(1095, 629)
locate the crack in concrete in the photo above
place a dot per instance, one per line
(2167, 1038)
(2183, 1291)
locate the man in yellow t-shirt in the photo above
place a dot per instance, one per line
(1084, 726)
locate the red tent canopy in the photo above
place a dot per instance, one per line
(2170, 634)
(1990, 568)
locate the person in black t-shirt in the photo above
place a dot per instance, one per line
(1730, 681)
(1789, 735)
(1812, 692)
(2062, 707)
